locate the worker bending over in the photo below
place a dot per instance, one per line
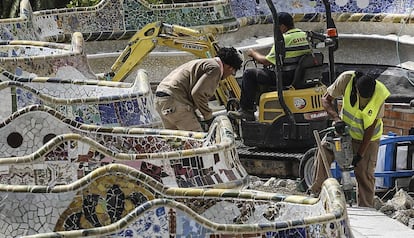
(190, 87)
(363, 100)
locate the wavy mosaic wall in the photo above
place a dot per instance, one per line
(27, 58)
(94, 176)
(94, 102)
(40, 146)
(60, 173)
(358, 22)
(118, 19)
(119, 201)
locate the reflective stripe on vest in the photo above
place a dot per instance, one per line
(296, 45)
(358, 120)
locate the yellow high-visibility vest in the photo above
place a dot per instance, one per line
(296, 44)
(359, 120)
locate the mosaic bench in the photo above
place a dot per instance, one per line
(29, 57)
(119, 201)
(119, 19)
(89, 101)
(112, 19)
(39, 146)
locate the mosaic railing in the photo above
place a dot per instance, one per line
(25, 58)
(39, 146)
(88, 101)
(116, 19)
(111, 19)
(119, 201)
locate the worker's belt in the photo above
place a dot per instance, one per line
(161, 94)
(284, 68)
(289, 67)
(290, 64)
(292, 60)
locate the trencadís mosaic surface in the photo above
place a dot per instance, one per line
(111, 168)
(119, 19)
(119, 201)
(96, 102)
(40, 146)
(27, 58)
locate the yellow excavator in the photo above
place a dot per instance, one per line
(203, 45)
(287, 116)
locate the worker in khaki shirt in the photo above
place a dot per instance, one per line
(363, 100)
(191, 86)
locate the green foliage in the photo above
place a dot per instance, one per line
(11, 8)
(82, 3)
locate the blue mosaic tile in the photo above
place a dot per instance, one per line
(25, 98)
(144, 106)
(129, 112)
(108, 114)
(189, 228)
(151, 225)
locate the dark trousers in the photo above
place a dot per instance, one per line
(254, 77)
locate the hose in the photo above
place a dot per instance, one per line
(410, 74)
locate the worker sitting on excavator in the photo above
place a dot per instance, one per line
(363, 100)
(190, 87)
(296, 45)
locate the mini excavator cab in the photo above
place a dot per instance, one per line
(287, 116)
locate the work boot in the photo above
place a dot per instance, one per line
(242, 114)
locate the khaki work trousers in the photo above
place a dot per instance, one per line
(176, 115)
(364, 172)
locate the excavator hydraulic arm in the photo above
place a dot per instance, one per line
(200, 44)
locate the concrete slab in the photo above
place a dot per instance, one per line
(367, 222)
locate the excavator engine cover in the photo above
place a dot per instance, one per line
(282, 134)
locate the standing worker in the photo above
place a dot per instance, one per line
(190, 87)
(363, 100)
(296, 45)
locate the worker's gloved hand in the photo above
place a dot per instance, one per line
(205, 124)
(340, 127)
(356, 159)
